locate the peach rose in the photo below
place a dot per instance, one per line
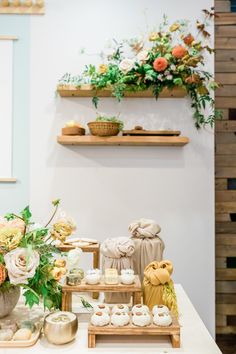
(179, 51)
(60, 263)
(193, 79)
(188, 39)
(160, 64)
(102, 69)
(57, 273)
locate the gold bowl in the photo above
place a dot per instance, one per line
(60, 327)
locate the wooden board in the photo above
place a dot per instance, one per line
(102, 287)
(89, 248)
(225, 31)
(143, 132)
(225, 18)
(23, 343)
(225, 43)
(88, 91)
(173, 331)
(222, 5)
(226, 79)
(123, 140)
(22, 10)
(225, 126)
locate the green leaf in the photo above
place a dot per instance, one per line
(56, 202)
(26, 215)
(31, 298)
(9, 216)
(178, 81)
(95, 101)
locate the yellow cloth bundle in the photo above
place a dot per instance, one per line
(158, 288)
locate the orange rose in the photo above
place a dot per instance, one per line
(179, 51)
(193, 79)
(57, 273)
(188, 40)
(160, 64)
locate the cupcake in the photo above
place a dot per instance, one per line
(160, 309)
(100, 319)
(141, 319)
(101, 308)
(120, 308)
(162, 319)
(140, 308)
(120, 319)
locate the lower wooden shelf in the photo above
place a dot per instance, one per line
(123, 140)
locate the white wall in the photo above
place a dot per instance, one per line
(105, 188)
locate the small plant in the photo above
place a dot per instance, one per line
(112, 120)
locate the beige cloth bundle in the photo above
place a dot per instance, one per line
(117, 253)
(148, 245)
(158, 288)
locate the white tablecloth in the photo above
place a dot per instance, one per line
(195, 338)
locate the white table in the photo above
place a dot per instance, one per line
(195, 338)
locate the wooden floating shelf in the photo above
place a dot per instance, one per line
(88, 91)
(22, 10)
(123, 140)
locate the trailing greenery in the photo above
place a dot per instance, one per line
(110, 119)
(168, 57)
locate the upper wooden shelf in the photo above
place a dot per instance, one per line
(88, 91)
(123, 140)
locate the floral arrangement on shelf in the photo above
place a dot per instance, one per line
(168, 57)
(28, 256)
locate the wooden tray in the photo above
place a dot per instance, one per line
(23, 343)
(173, 331)
(143, 132)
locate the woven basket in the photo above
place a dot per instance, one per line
(73, 131)
(103, 128)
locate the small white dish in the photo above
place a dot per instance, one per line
(100, 319)
(120, 319)
(162, 319)
(141, 319)
(120, 308)
(160, 309)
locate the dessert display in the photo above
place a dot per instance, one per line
(119, 319)
(60, 327)
(93, 276)
(127, 276)
(162, 319)
(141, 319)
(120, 307)
(140, 308)
(101, 308)
(160, 309)
(100, 319)
(111, 276)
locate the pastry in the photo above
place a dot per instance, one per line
(6, 334)
(100, 319)
(141, 319)
(162, 319)
(101, 308)
(111, 276)
(160, 309)
(120, 319)
(22, 334)
(140, 308)
(120, 308)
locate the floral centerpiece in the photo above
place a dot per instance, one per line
(171, 55)
(27, 257)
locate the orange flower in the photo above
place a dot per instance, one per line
(160, 64)
(188, 40)
(3, 274)
(179, 51)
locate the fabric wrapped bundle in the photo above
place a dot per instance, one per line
(117, 253)
(158, 288)
(148, 245)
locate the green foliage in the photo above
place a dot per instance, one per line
(111, 119)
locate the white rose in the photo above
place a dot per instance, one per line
(143, 56)
(21, 265)
(126, 65)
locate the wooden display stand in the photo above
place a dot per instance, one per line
(173, 331)
(67, 290)
(93, 248)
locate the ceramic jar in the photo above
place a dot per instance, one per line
(60, 327)
(141, 319)
(160, 309)
(93, 276)
(140, 308)
(100, 319)
(8, 300)
(101, 308)
(162, 319)
(120, 319)
(120, 308)
(127, 276)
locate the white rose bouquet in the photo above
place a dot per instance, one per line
(27, 258)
